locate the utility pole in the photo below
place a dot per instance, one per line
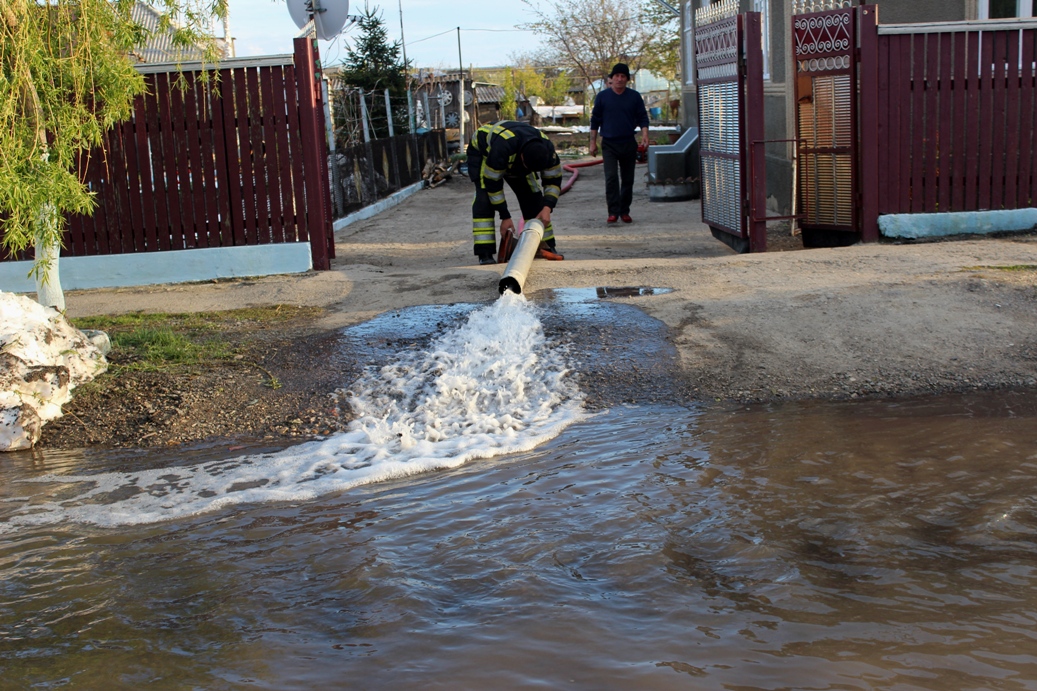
(460, 92)
(406, 72)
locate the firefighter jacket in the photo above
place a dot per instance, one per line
(493, 155)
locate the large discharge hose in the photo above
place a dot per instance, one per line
(518, 266)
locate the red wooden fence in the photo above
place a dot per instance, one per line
(240, 161)
(956, 116)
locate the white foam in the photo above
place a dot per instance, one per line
(493, 386)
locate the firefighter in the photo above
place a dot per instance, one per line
(514, 152)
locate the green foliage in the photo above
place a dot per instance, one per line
(374, 64)
(662, 53)
(66, 77)
(527, 79)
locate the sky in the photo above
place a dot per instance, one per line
(488, 30)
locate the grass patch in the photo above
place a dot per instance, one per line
(162, 341)
(152, 347)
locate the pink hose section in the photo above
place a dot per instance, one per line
(572, 168)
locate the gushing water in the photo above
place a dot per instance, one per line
(495, 385)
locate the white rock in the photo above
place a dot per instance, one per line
(42, 358)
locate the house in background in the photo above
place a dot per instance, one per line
(160, 48)
(779, 101)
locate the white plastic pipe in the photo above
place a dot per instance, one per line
(518, 266)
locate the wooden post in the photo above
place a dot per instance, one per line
(868, 147)
(755, 153)
(317, 203)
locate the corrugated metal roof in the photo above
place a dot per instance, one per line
(489, 93)
(159, 47)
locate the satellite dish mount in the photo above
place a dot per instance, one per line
(328, 16)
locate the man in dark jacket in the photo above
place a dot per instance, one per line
(514, 152)
(618, 112)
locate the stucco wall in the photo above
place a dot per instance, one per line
(909, 11)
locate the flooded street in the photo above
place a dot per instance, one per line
(638, 544)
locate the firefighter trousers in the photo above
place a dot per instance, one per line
(531, 202)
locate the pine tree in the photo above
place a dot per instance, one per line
(374, 64)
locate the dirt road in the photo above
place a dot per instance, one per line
(880, 319)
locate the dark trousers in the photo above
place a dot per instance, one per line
(620, 157)
(531, 202)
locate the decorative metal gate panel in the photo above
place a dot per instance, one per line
(825, 45)
(729, 74)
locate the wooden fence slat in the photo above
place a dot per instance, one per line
(284, 155)
(179, 116)
(233, 145)
(165, 173)
(931, 140)
(196, 176)
(226, 182)
(129, 137)
(945, 138)
(987, 125)
(258, 172)
(918, 132)
(1026, 194)
(1011, 135)
(888, 124)
(294, 126)
(120, 190)
(903, 98)
(97, 239)
(973, 124)
(997, 125)
(957, 202)
(206, 166)
(141, 119)
(272, 171)
(248, 181)
(890, 169)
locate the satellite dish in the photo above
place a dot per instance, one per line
(328, 16)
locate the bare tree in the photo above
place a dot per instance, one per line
(591, 35)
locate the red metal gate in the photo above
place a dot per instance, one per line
(729, 75)
(826, 93)
(242, 161)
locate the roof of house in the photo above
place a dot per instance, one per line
(159, 47)
(489, 93)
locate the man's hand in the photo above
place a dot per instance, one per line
(545, 216)
(594, 146)
(644, 137)
(507, 226)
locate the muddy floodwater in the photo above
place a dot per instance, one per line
(647, 545)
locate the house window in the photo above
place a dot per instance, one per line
(1007, 9)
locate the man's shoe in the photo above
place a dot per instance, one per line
(612, 218)
(487, 260)
(626, 218)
